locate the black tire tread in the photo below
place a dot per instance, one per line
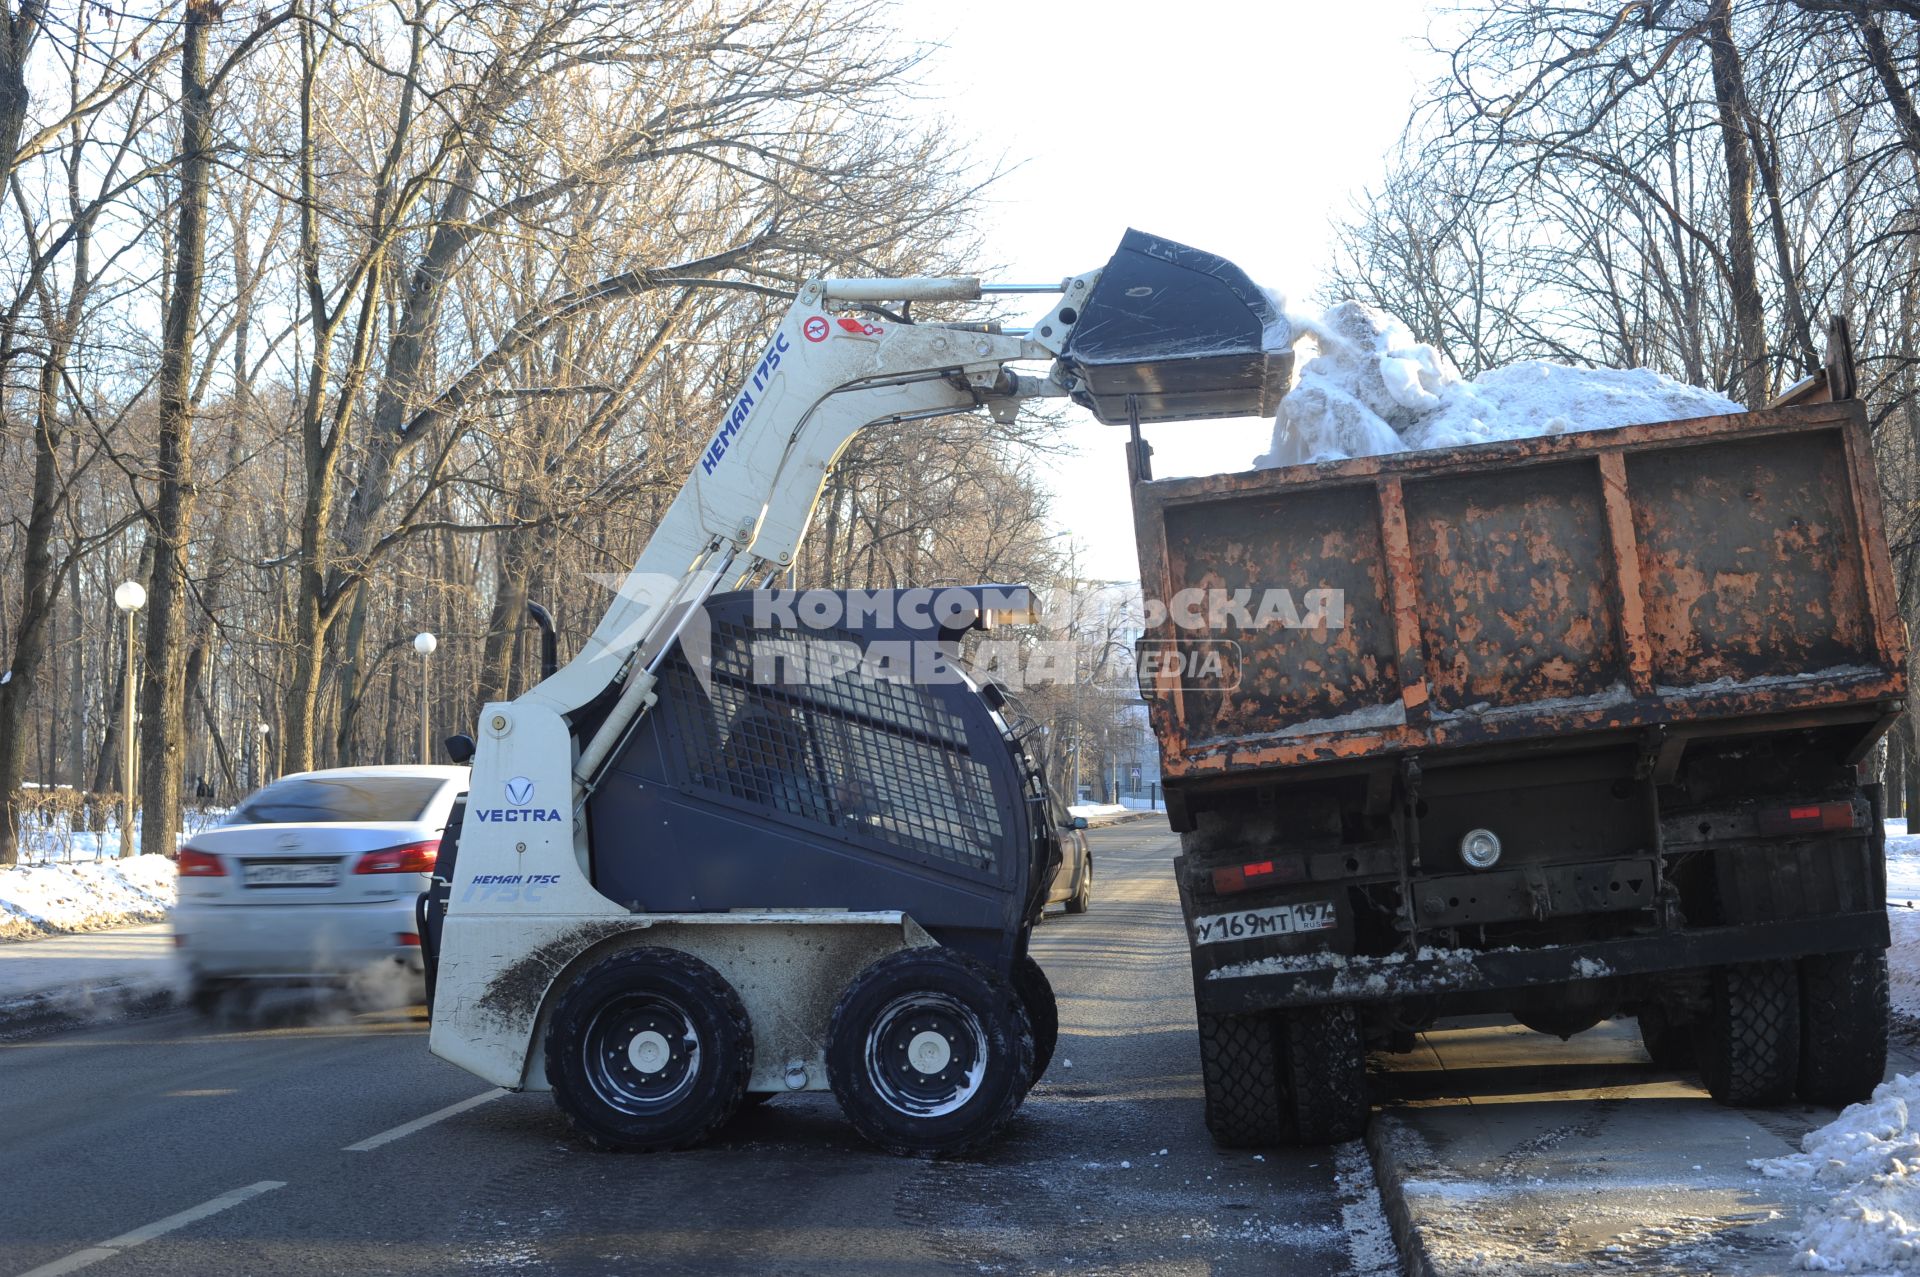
(1750, 1045)
(1327, 1074)
(1043, 1011)
(1240, 1075)
(988, 1122)
(1844, 1017)
(734, 1074)
(1668, 1045)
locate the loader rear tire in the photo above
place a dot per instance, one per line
(1326, 1074)
(1843, 1026)
(929, 1052)
(1240, 1076)
(1043, 1012)
(649, 1050)
(1749, 1044)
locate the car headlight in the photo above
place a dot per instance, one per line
(1480, 848)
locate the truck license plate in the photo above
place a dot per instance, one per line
(1251, 924)
(293, 873)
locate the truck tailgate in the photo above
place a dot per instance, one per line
(1683, 573)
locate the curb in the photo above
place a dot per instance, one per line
(1414, 1259)
(128, 998)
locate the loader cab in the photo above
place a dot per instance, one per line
(826, 750)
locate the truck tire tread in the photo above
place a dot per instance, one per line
(1327, 1074)
(1240, 1076)
(1749, 1045)
(1843, 1026)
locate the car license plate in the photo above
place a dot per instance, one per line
(293, 873)
(1252, 924)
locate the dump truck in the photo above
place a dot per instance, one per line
(1574, 729)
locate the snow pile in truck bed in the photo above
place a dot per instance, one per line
(1372, 389)
(1868, 1159)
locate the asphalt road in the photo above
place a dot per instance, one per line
(167, 1146)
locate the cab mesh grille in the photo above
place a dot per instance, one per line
(789, 727)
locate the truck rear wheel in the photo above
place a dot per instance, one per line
(1669, 1045)
(1843, 1026)
(928, 1052)
(1240, 1075)
(1043, 1011)
(1749, 1044)
(1326, 1074)
(649, 1050)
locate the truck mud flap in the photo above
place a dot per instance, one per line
(1307, 979)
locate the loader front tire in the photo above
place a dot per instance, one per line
(1043, 1012)
(1843, 1026)
(649, 1050)
(1749, 1044)
(1240, 1077)
(928, 1052)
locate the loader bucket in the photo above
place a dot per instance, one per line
(1184, 333)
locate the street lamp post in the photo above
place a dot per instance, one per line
(424, 643)
(129, 597)
(266, 743)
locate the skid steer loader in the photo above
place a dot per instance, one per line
(748, 842)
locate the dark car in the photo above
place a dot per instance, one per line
(1072, 883)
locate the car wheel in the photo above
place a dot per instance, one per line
(1043, 1011)
(206, 996)
(928, 1052)
(1082, 898)
(649, 1050)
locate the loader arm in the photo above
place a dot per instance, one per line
(745, 506)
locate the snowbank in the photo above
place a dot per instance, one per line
(1868, 1159)
(40, 900)
(1372, 389)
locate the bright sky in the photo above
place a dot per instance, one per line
(1240, 128)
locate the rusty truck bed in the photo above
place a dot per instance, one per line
(1706, 576)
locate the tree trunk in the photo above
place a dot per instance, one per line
(39, 592)
(1749, 315)
(163, 687)
(18, 27)
(1893, 776)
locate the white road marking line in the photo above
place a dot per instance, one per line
(421, 1123)
(126, 1241)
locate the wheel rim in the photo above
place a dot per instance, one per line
(642, 1053)
(926, 1054)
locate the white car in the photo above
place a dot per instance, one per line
(312, 880)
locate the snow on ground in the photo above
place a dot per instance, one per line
(91, 895)
(1372, 389)
(1868, 1158)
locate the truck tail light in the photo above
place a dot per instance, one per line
(1807, 818)
(410, 858)
(200, 864)
(1243, 877)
